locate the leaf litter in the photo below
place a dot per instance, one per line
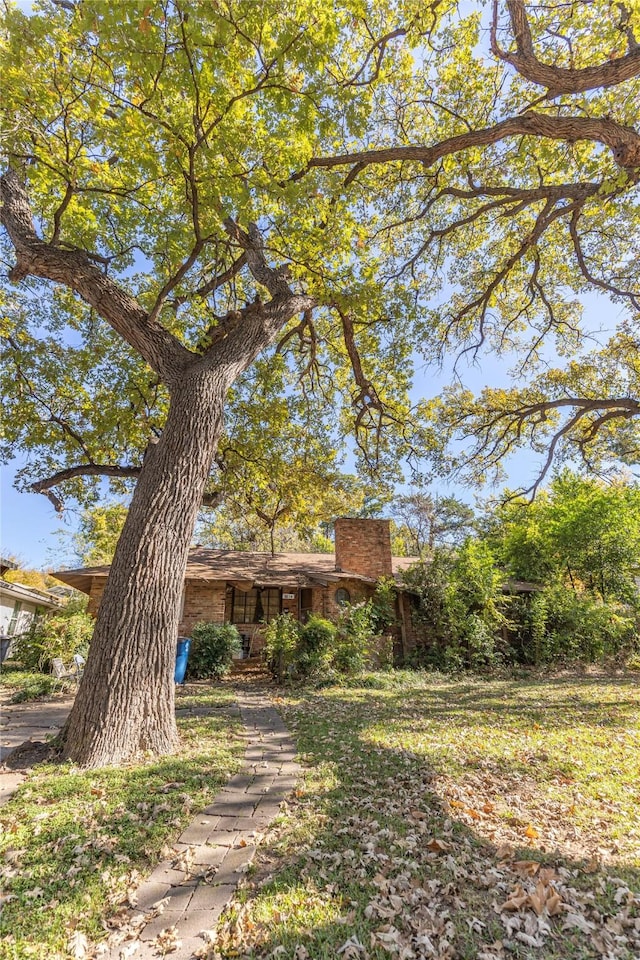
(401, 843)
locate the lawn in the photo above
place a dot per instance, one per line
(467, 819)
(75, 843)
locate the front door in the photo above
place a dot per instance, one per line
(306, 603)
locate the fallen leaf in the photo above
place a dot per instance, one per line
(516, 901)
(577, 921)
(438, 846)
(526, 868)
(78, 945)
(352, 949)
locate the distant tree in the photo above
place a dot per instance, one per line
(425, 520)
(278, 468)
(98, 533)
(582, 531)
(28, 576)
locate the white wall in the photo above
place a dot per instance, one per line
(25, 616)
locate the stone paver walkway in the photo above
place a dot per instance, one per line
(29, 722)
(20, 722)
(216, 849)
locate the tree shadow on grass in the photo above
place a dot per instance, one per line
(374, 851)
(75, 840)
(526, 701)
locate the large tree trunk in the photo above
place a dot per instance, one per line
(125, 703)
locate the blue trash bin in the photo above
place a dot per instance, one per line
(182, 656)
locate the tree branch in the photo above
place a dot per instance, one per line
(74, 269)
(558, 80)
(81, 470)
(273, 278)
(216, 282)
(211, 499)
(623, 141)
(496, 431)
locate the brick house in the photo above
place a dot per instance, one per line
(248, 589)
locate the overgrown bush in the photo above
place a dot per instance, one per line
(212, 648)
(321, 649)
(560, 624)
(62, 636)
(354, 634)
(314, 649)
(459, 608)
(282, 636)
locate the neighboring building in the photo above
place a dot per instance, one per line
(248, 589)
(19, 606)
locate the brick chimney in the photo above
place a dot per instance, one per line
(363, 547)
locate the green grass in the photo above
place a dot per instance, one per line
(205, 694)
(24, 685)
(74, 842)
(427, 804)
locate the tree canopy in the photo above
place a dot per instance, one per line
(581, 532)
(426, 181)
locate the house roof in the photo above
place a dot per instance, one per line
(246, 569)
(18, 591)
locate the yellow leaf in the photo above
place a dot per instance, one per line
(531, 832)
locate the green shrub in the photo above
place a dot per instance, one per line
(459, 608)
(581, 627)
(212, 648)
(561, 624)
(282, 636)
(314, 648)
(62, 636)
(354, 637)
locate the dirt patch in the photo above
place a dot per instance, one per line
(28, 754)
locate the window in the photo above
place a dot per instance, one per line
(342, 596)
(13, 623)
(254, 606)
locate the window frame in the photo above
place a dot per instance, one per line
(262, 610)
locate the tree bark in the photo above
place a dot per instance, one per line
(125, 703)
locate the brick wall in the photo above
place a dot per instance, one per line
(95, 594)
(202, 601)
(363, 546)
(327, 603)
